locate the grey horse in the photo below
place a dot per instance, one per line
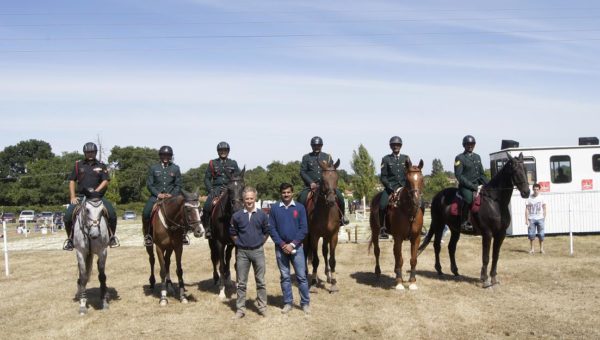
(91, 238)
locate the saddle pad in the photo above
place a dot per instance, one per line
(476, 204)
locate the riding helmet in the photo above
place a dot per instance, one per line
(165, 150)
(316, 141)
(90, 147)
(223, 146)
(468, 139)
(395, 140)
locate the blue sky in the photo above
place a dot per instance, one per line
(266, 76)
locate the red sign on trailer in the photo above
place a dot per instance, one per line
(587, 184)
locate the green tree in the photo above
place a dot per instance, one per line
(14, 158)
(437, 167)
(132, 164)
(437, 181)
(364, 181)
(112, 193)
(193, 179)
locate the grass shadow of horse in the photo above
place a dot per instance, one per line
(93, 296)
(370, 279)
(447, 277)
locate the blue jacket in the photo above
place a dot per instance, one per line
(251, 231)
(288, 225)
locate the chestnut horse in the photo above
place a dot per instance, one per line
(221, 244)
(324, 221)
(491, 221)
(170, 220)
(404, 221)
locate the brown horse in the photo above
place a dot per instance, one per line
(404, 220)
(491, 221)
(221, 244)
(324, 221)
(170, 220)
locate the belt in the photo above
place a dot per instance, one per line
(249, 248)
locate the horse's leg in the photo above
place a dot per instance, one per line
(152, 260)
(486, 238)
(222, 273)
(102, 277)
(325, 252)
(178, 253)
(82, 282)
(376, 251)
(168, 253)
(398, 262)
(454, 237)
(314, 245)
(214, 256)
(414, 247)
(437, 244)
(498, 239)
(332, 245)
(163, 275)
(228, 250)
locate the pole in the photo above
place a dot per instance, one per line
(570, 231)
(364, 203)
(5, 248)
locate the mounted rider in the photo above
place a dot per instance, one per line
(216, 179)
(469, 172)
(90, 177)
(393, 176)
(311, 173)
(163, 181)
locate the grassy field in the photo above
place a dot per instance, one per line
(541, 296)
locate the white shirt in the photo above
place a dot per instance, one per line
(292, 203)
(535, 207)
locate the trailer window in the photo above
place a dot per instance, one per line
(531, 170)
(596, 163)
(497, 165)
(560, 169)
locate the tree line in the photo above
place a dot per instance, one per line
(31, 174)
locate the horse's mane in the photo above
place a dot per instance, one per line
(497, 180)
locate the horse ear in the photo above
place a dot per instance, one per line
(408, 163)
(420, 164)
(510, 158)
(243, 172)
(324, 165)
(521, 156)
(337, 163)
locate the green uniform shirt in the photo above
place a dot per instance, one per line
(468, 170)
(310, 171)
(164, 179)
(393, 171)
(215, 175)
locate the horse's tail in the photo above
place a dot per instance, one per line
(308, 249)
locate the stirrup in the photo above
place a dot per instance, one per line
(186, 240)
(466, 227)
(148, 242)
(114, 242)
(68, 245)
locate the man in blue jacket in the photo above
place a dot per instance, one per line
(288, 228)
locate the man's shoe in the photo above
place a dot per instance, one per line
(68, 245)
(148, 242)
(306, 309)
(286, 308)
(262, 312)
(186, 240)
(238, 315)
(114, 242)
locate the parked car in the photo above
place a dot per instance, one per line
(129, 215)
(46, 215)
(27, 215)
(9, 217)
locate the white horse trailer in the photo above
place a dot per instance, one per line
(569, 177)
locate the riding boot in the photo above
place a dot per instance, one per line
(68, 245)
(186, 239)
(206, 224)
(465, 225)
(382, 220)
(114, 241)
(147, 233)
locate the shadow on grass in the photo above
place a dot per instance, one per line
(370, 279)
(93, 296)
(274, 301)
(446, 277)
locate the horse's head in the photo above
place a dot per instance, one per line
(329, 178)
(518, 174)
(414, 182)
(235, 189)
(92, 216)
(191, 210)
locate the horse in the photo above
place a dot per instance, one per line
(91, 237)
(324, 221)
(404, 220)
(491, 221)
(221, 244)
(171, 217)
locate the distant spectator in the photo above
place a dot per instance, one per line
(561, 177)
(535, 214)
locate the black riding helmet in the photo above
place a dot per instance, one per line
(165, 150)
(90, 147)
(223, 146)
(468, 139)
(316, 141)
(395, 140)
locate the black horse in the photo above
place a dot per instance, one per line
(221, 244)
(491, 221)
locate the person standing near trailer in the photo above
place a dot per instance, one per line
(535, 214)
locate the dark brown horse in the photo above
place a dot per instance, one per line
(324, 221)
(221, 244)
(404, 221)
(491, 221)
(171, 218)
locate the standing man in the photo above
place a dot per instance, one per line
(393, 176)
(311, 174)
(469, 172)
(288, 228)
(535, 215)
(215, 178)
(90, 177)
(163, 181)
(249, 230)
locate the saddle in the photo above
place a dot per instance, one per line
(457, 202)
(213, 209)
(94, 202)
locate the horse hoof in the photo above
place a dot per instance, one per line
(334, 289)
(487, 284)
(400, 286)
(413, 286)
(105, 305)
(82, 311)
(222, 296)
(184, 300)
(163, 302)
